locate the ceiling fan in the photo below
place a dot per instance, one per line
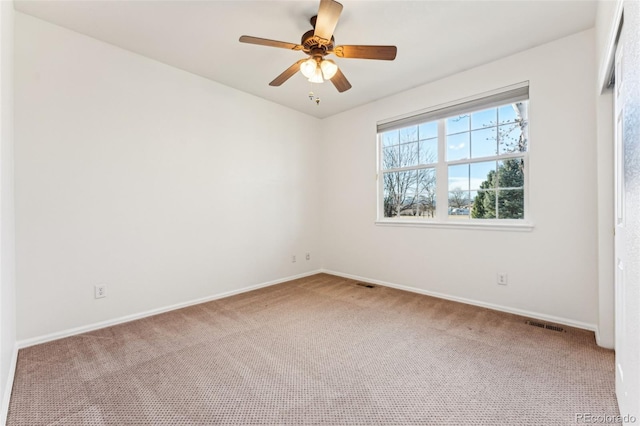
(318, 43)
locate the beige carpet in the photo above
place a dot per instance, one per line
(319, 350)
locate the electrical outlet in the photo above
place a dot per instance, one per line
(293, 259)
(502, 278)
(100, 291)
(308, 256)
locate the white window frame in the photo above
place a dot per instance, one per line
(440, 113)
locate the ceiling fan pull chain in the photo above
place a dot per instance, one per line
(317, 96)
(311, 94)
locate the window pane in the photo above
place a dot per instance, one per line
(459, 203)
(409, 154)
(458, 124)
(428, 151)
(511, 204)
(409, 134)
(408, 190)
(457, 213)
(508, 113)
(483, 175)
(399, 193)
(511, 138)
(511, 173)
(484, 143)
(391, 157)
(426, 199)
(390, 138)
(459, 177)
(483, 119)
(428, 130)
(484, 205)
(472, 197)
(458, 147)
(408, 187)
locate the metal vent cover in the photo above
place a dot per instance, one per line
(366, 285)
(546, 326)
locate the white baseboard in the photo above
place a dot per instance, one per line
(6, 396)
(108, 323)
(516, 311)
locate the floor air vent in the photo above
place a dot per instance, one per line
(366, 285)
(547, 326)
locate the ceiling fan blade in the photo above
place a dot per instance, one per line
(386, 53)
(268, 42)
(328, 15)
(341, 82)
(287, 74)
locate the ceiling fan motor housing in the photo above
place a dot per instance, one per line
(314, 45)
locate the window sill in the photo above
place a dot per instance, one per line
(494, 226)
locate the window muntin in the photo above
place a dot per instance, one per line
(484, 157)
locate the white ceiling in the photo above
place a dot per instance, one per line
(434, 39)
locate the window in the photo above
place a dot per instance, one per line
(459, 163)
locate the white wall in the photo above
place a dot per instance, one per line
(552, 269)
(163, 185)
(7, 245)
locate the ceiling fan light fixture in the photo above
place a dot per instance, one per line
(308, 67)
(317, 76)
(329, 69)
